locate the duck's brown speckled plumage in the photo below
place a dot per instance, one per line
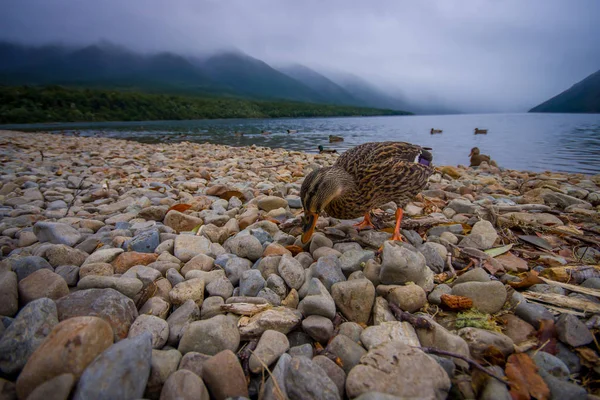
(378, 173)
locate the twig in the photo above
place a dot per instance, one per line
(78, 191)
(266, 367)
(471, 362)
(244, 355)
(417, 322)
(449, 265)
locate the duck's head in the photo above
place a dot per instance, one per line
(320, 147)
(474, 151)
(320, 188)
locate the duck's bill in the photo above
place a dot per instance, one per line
(309, 221)
(471, 154)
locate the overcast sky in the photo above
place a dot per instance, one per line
(474, 55)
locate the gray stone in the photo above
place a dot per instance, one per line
(463, 206)
(482, 236)
(319, 240)
(65, 255)
(184, 385)
(551, 365)
(354, 299)
(533, 313)
(381, 311)
(220, 287)
(352, 330)
(180, 319)
(440, 338)
(174, 276)
(251, 282)
(42, 283)
(455, 229)
(432, 258)
(103, 256)
(156, 306)
(479, 340)
(400, 370)
(145, 242)
(25, 266)
(564, 390)
(210, 336)
(272, 297)
(409, 298)
(435, 296)
(277, 285)
(9, 294)
(130, 287)
(291, 271)
(353, 260)
(271, 346)
(29, 329)
(191, 289)
(281, 319)
(120, 372)
(56, 233)
(495, 390)
(114, 307)
(401, 265)
(211, 307)
(474, 275)
(318, 327)
(235, 267)
(563, 200)
(488, 297)
(164, 363)
(306, 380)
(244, 246)
(572, 331)
(334, 372)
(347, 350)
(157, 327)
(194, 361)
(303, 350)
(274, 388)
(374, 336)
(57, 388)
(318, 301)
(70, 273)
(328, 270)
(189, 246)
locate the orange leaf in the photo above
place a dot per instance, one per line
(295, 249)
(181, 207)
(531, 278)
(494, 356)
(547, 336)
(456, 302)
(231, 193)
(524, 380)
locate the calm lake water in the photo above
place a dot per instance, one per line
(534, 142)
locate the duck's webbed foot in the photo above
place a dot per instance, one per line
(365, 224)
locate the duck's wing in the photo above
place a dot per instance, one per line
(370, 155)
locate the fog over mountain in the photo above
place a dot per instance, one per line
(470, 56)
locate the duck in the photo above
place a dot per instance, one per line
(480, 131)
(265, 132)
(292, 131)
(334, 138)
(362, 178)
(238, 134)
(434, 131)
(477, 158)
(324, 150)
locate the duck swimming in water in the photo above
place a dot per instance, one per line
(365, 177)
(334, 138)
(434, 131)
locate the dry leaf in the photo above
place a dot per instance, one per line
(294, 249)
(524, 380)
(529, 279)
(181, 207)
(547, 336)
(456, 303)
(494, 356)
(231, 193)
(588, 357)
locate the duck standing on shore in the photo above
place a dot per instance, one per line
(477, 158)
(324, 150)
(363, 178)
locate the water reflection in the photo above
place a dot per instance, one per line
(558, 142)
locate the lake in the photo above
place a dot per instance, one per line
(534, 142)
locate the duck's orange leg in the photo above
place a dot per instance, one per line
(396, 235)
(366, 223)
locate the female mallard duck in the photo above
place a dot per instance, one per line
(324, 150)
(362, 178)
(434, 131)
(477, 158)
(333, 138)
(480, 131)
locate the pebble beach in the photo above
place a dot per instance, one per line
(175, 271)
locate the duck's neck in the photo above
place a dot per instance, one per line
(344, 205)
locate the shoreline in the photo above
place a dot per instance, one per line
(190, 253)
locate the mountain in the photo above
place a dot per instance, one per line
(231, 74)
(321, 84)
(582, 97)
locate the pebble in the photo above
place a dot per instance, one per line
(409, 298)
(25, 266)
(352, 260)
(281, 319)
(271, 346)
(158, 328)
(163, 364)
(533, 313)
(184, 385)
(347, 350)
(192, 289)
(488, 297)
(251, 282)
(400, 265)
(130, 287)
(317, 301)
(210, 336)
(65, 255)
(385, 332)
(9, 294)
(479, 340)
(120, 372)
(328, 270)
(354, 299)
(42, 283)
(319, 328)
(57, 233)
(572, 331)
(482, 236)
(400, 370)
(304, 379)
(70, 273)
(57, 388)
(25, 334)
(157, 307)
(181, 222)
(224, 364)
(69, 348)
(244, 246)
(114, 307)
(220, 287)
(187, 247)
(291, 271)
(440, 338)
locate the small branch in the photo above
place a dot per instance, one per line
(78, 191)
(266, 367)
(417, 322)
(244, 355)
(473, 363)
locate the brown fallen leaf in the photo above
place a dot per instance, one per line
(456, 303)
(529, 279)
(524, 380)
(588, 357)
(231, 193)
(547, 335)
(494, 356)
(294, 249)
(181, 207)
